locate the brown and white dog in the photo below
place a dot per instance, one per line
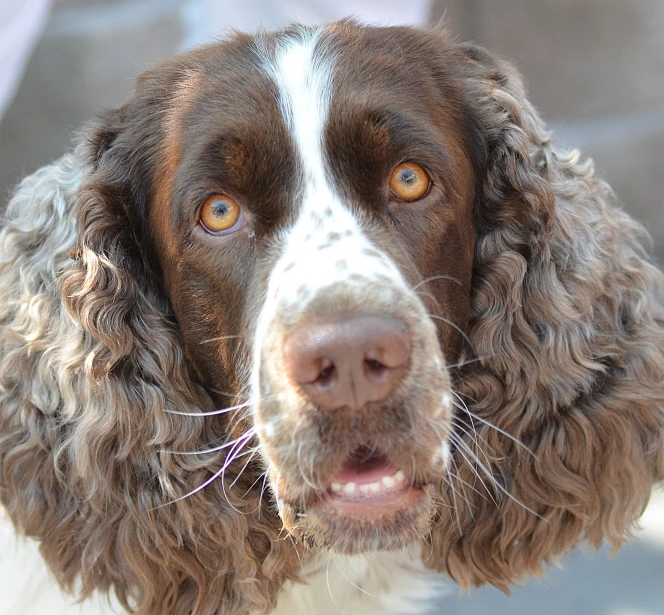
(313, 316)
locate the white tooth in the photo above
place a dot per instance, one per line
(446, 400)
(400, 477)
(375, 487)
(364, 488)
(388, 481)
(336, 487)
(349, 488)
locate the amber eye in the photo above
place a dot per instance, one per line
(219, 213)
(409, 181)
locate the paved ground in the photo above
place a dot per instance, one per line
(588, 584)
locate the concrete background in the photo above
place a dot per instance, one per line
(595, 70)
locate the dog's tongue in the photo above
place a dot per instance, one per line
(367, 477)
(363, 469)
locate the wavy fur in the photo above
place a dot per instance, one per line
(565, 320)
(570, 334)
(90, 366)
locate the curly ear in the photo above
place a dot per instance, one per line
(560, 431)
(91, 363)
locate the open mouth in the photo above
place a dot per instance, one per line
(369, 485)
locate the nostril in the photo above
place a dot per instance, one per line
(327, 372)
(392, 353)
(374, 366)
(348, 362)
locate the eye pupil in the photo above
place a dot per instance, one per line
(220, 208)
(408, 177)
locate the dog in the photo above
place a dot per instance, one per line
(326, 297)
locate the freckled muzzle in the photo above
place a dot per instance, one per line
(351, 416)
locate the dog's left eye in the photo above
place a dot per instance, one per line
(220, 214)
(409, 181)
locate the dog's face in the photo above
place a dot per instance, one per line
(313, 223)
(403, 313)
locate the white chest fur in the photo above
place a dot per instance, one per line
(379, 583)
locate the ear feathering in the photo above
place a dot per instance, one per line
(559, 425)
(90, 364)
(570, 334)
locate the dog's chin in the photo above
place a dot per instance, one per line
(369, 505)
(354, 527)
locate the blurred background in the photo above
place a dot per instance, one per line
(595, 70)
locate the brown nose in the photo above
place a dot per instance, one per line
(349, 362)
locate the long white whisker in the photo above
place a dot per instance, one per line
(456, 327)
(213, 412)
(492, 426)
(233, 455)
(468, 362)
(220, 338)
(214, 477)
(214, 449)
(454, 500)
(244, 467)
(455, 438)
(459, 425)
(493, 479)
(222, 392)
(433, 278)
(347, 579)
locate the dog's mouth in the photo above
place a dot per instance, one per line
(369, 485)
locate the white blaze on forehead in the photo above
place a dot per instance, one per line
(326, 244)
(304, 80)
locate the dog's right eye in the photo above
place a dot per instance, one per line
(220, 214)
(409, 182)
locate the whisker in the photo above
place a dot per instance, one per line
(493, 479)
(214, 477)
(253, 451)
(232, 458)
(221, 338)
(468, 362)
(455, 438)
(474, 489)
(216, 448)
(213, 412)
(433, 278)
(347, 579)
(421, 293)
(301, 468)
(476, 438)
(329, 589)
(222, 392)
(455, 327)
(492, 426)
(466, 396)
(454, 501)
(472, 425)
(262, 475)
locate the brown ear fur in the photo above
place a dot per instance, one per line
(570, 339)
(90, 364)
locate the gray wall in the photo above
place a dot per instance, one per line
(595, 70)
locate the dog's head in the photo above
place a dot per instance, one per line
(403, 314)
